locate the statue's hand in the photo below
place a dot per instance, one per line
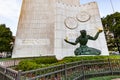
(65, 40)
(100, 31)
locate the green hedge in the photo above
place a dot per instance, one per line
(79, 58)
(26, 65)
(34, 63)
(42, 62)
(45, 60)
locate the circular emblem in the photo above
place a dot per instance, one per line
(83, 16)
(71, 23)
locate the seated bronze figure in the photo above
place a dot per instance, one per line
(82, 40)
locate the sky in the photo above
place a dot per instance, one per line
(10, 10)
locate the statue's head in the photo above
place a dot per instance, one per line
(83, 33)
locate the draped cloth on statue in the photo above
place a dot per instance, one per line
(85, 50)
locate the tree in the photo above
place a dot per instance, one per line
(111, 25)
(5, 39)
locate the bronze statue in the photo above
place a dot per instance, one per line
(82, 40)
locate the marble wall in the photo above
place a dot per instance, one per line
(44, 24)
(69, 2)
(35, 35)
(70, 20)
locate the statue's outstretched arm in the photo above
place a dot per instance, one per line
(96, 36)
(73, 43)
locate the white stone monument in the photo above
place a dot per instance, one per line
(44, 24)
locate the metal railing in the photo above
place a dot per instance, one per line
(8, 74)
(80, 70)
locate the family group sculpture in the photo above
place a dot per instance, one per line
(82, 40)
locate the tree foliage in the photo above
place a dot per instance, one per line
(5, 39)
(111, 25)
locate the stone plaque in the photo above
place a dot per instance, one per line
(34, 42)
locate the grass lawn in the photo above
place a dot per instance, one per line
(4, 59)
(105, 78)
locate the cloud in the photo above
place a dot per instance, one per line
(10, 8)
(9, 13)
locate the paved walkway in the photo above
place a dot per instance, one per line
(116, 79)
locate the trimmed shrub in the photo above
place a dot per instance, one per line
(45, 60)
(26, 65)
(35, 63)
(42, 62)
